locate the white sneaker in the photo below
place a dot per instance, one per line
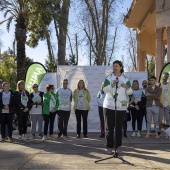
(167, 137)
(24, 137)
(52, 137)
(20, 137)
(44, 137)
(119, 150)
(109, 151)
(138, 134)
(133, 134)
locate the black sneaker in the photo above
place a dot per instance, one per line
(124, 135)
(59, 136)
(85, 136)
(33, 136)
(102, 135)
(65, 136)
(40, 135)
(159, 133)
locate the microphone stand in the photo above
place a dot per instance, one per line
(116, 154)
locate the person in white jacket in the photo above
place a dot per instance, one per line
(100, 98)
(116, 85)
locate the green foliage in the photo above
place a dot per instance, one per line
(41, 15)
(50, 65)
(66, 62)
(28, 61)
(72, 60)
(8, 67)
(150, 66)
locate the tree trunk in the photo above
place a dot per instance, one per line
(20, 35)
(63, 32)
(77, 53)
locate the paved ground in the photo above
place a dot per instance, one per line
(82, 153)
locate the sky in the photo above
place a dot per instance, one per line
(39, 54)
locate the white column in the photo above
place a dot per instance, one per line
(138, 37)
(141, 55)
(159, 53)
(168, 44)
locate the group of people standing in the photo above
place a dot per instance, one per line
(43, 107)
(150, 102)
(115, 99)
(153, 102)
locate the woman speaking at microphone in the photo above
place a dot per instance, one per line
(117, 88)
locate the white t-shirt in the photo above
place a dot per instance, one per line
(165, 95)
(137, 94)
(80, 102)
(64, 96)
(24, 99)
(5, 100)
(167, 131)
(144, 91)
(52, 103)
(153, 104)
(100, 98)
(36, 109)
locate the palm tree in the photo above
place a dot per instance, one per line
(18, 11)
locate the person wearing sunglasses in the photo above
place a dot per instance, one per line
(23, 105)
(36, 111)
(50, 106)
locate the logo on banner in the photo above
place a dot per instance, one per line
(34, 75)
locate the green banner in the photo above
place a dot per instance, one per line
(34, 75)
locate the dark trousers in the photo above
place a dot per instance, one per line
(101, 116)
(49, 119)
(63, 117)
(22, 121)
(136, 116)
(6, 121)
(125, 123)
(144, 113)
(110, 127)
(84, 114)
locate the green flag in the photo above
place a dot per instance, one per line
(34, 75)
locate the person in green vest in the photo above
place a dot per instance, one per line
(50, 107)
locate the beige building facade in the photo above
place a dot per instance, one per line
(151, 21)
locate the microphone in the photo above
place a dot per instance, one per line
(117, 82)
